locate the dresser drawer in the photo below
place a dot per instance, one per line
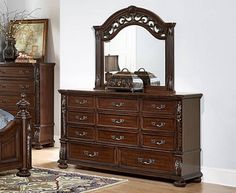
(118, 137)
(91, 152)
(80, 101)
(19, 72)
(153, 123)
(17, 86)
(11, 100)
(118, 120)
(81, 117)
(80, 133)
(148, 160)
(158, 141)
(166, 107)
(118, 104)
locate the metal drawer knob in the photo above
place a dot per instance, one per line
(158, 107)
(118, 138)
(81, 118)
(3, 101)
(158, 124)
(114, 104)
(158, 142)
(84, 133)
(118, 121)
(146, 161)
(81, 102)
(90, 154)
(24, 86)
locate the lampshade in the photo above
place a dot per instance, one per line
(111, 63)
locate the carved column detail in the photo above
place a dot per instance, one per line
(179, 126)
(63, 116)
(178, 166)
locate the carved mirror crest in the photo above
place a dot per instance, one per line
(152, 23)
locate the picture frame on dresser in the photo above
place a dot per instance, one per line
(151, 133)
(31, 37)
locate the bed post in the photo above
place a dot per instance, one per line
(24, 116)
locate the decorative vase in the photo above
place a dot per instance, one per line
(10, 52)
(2, 46)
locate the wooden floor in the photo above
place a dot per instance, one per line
(48, 157)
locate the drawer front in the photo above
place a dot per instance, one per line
(142, 159)
(158, 141)
(11, 100)
(152, 123)
(118, 120)
(17, 86)
(91, 153)
(118, 137)
(118, 104)
(81, 117)
(80, 133)
(80, 101)
(166, 107)
(13, 72)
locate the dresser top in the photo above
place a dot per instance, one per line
(122, 93)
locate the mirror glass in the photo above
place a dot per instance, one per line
(136, 48)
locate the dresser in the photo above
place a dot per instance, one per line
(37, 82)
(137, 133)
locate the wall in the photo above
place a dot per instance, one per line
(47, 9)
(204, 62)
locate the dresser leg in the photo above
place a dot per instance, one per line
(23, 173)
(38, 146)
(180, 183)
(62, 164)
(197, 180)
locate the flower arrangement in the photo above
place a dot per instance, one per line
(8, 18)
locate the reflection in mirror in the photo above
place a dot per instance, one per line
(136, 48)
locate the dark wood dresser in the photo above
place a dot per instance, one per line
(37, 82)
(136, 133)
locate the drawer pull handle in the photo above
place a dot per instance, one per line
(160, 107)
(81, 102)
(23, 71)
(158, 142)
(118, 105)
(118, 138)
(146, 161)
(24, 86)
(3, 101)
(81, 133)
(161, 124)
(90, 154)
(82, 118)
(118, 121)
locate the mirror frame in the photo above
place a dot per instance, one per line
(151, 22)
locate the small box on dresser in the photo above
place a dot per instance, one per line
(37, 82)
(136, 133)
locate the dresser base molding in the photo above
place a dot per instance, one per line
(136, 133)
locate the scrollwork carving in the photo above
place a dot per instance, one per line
(179, 126)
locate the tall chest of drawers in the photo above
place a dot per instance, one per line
(37, 82)
(135, 133)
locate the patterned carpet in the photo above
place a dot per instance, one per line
(53, 181)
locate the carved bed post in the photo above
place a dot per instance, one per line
(24, 116)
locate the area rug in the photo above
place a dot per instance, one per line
(53, 181)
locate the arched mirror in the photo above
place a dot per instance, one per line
(136, 38)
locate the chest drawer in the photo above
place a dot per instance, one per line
(17, 86)
(158, 141)
(81, 117)
(118, 120)
(80, 133)
(118, 104)
(118, 137)
(91, 152)
(148, 160)
(13, 72)
(153, 123)
(11, 100)
(80, 101)
(154, 106)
